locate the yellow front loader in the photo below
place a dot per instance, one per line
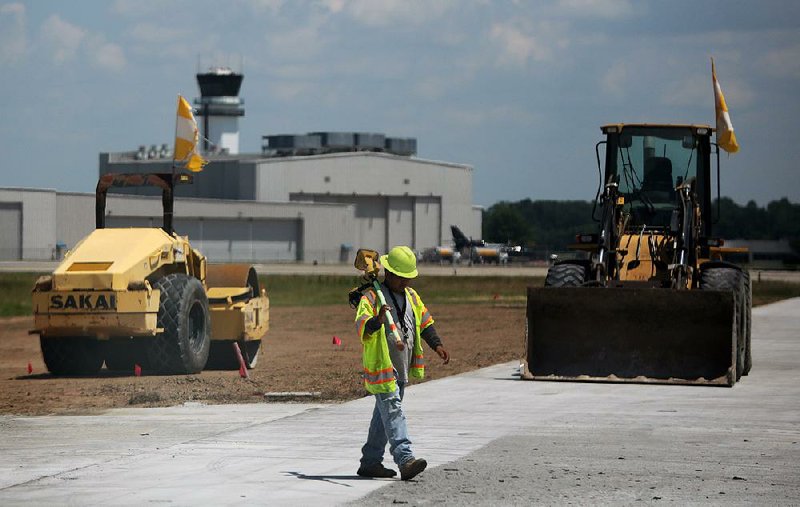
(651, 299)
(144, 296)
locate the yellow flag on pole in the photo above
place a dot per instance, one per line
(186, 138)
(726, 139)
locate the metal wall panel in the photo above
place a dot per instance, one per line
(36, 222)
(371, 223)
(427, 222)
(400, 222)
(119, 222)
(10, 231)
(276, 239)
(231, 240)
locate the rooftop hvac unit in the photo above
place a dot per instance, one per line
(336, 141)
(370, 141)
(142, 153)
(293, 144)
(153, 151)
(405, 146)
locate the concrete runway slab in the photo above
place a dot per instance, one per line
(488, 438)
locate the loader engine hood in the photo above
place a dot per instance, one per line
(109, 259)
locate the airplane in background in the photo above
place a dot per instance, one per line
(466, 249)
(477, 250)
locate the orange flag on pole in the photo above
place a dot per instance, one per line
(186, 138)
(726, 139)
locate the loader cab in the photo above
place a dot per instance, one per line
(649, 162)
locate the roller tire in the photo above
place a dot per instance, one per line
(223, 357)
(730, 279)
(565, 275)
(74, 355)
(183, 314)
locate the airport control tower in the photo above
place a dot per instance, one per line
(220, 107)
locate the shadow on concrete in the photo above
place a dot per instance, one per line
(333, 479)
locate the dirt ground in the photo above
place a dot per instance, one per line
(298, 355)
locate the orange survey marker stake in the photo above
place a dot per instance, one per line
(242, 367)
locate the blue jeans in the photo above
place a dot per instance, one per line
(388, 425)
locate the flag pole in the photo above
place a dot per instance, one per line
(175, 138)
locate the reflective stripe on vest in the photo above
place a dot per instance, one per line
(426, 319)
(361, 323)
(378, 377)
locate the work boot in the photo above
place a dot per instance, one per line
(376, 470)
(412, 468)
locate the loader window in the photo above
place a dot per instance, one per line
(651, 163)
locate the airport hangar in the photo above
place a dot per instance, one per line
(306, 198)
(262, 208)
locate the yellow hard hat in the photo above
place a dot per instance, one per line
(401, 261)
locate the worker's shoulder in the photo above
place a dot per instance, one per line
(414, 294)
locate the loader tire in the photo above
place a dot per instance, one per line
(565, 275)
(74, 355)
(748, 312)
(123, 354)
(183, 314)
(730, 279)
(223, 357)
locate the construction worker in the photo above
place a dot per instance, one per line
(389, 364)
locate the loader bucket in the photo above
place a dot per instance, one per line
(638, 335)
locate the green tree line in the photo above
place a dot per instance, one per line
(552, 225)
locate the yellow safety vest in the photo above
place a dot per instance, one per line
(378, 369)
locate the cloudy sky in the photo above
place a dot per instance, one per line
(516, 89)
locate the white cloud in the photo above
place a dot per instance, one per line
(61, 38)
(66, 43)
(783, 62)
(269, 5)
(614, 79)
(433, 87)
(334, 5)
(300, 43)
(152, 33)
(686, 92)
(608, 9)
(143, 8)
(500, 115)
(291, 90)
(393, 12)
(517, 45)
(13, 33)
(105, 55)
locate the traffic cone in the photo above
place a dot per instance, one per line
(30, 368)
(137, 370)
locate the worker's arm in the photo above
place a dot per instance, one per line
(376, 322)
(432, 339)
(428, 332)
(366, 317)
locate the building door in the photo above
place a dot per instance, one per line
(10, 231)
